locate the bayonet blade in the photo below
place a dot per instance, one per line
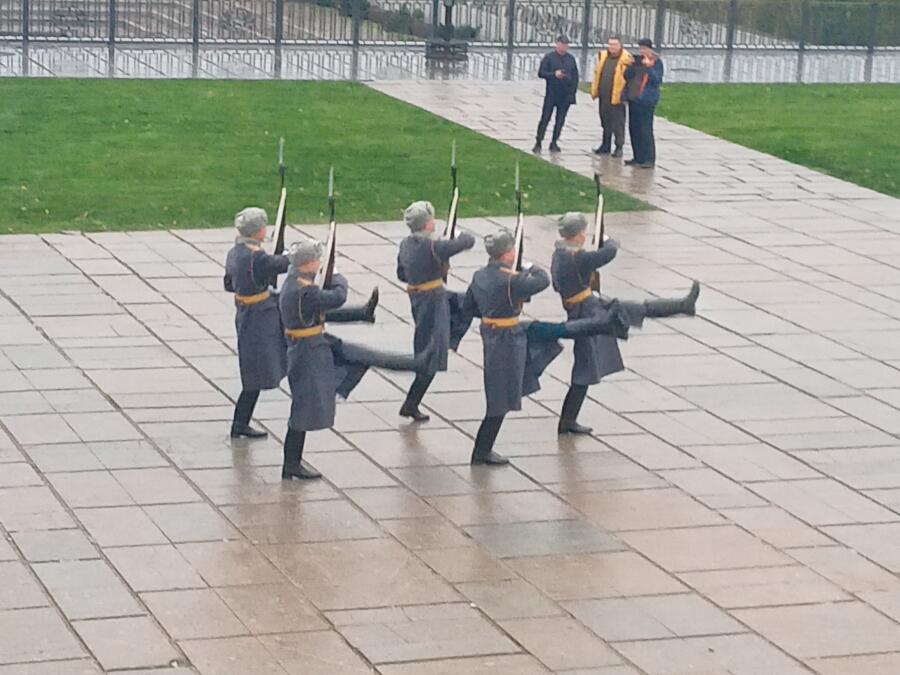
(282, 167)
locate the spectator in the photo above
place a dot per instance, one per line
(560, 71)
(608, 86)
(644, 78)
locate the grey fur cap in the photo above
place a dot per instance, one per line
(571, 224)
(418, 215)
(304, 251)
(499, 242)
(250, 221)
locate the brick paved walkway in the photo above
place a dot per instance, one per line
(738, 511)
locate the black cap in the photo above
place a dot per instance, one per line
(645, 42)
(564, 39)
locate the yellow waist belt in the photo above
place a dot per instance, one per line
(252, 299)
(578, 297)
(432, 285)
(510, 322)
(301, 333)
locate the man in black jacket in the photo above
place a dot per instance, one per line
(560, 71)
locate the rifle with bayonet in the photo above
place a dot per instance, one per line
(326, 271)
(450, 226)
(599, 236)
(281, 214)
(520, 224)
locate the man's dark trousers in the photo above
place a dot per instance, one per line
(640, 126)
(612, 119)
(562, 109)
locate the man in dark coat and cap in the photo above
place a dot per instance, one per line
(596, 356)
(643, 79)
(560, 71)
(250, 273)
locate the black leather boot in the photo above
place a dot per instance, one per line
(294, 467)
(686, 305)
(410, 407)
(484, 443)
(301, 471)
(617, 152)
(491, 459)
(571, 407)
(246, 431)
(243, 411)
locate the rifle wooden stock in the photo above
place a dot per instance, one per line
(599, 233)
(326, 271)
(520, 242)
(450, 227)
(281, 222)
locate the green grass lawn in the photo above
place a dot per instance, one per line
(848, 131)
(115, 155)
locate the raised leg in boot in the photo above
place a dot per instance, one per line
(243, 411)
(484, 442)
(568, 423)
(374, 358)
(417, 391)
(669, 307)
(608, 324)
(355, 313)
(294, 466)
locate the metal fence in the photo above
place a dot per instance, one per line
(797, 26)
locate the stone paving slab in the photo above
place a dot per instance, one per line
(737, 511)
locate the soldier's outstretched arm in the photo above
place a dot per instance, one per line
(447, 248)
(528, 282)
(588, 261)
(267, 267)
(333, 297)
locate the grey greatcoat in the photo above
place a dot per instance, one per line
(317, 367)
(598, 355)
(512, 363)
(260, 339)
(423, 259)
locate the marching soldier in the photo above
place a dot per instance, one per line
(422, 263)
(320, 366)
(598, 355)
(516, 353)
(249, 274)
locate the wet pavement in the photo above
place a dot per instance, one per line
(737, 511)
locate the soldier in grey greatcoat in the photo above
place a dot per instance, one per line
(422, 264)
(320, 366)
(250, 273)
(598, 355)
(516, 352)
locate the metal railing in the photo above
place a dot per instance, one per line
(796, 26)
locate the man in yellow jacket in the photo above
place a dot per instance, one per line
(608, 86)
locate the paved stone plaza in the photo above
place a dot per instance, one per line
(738, 510)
